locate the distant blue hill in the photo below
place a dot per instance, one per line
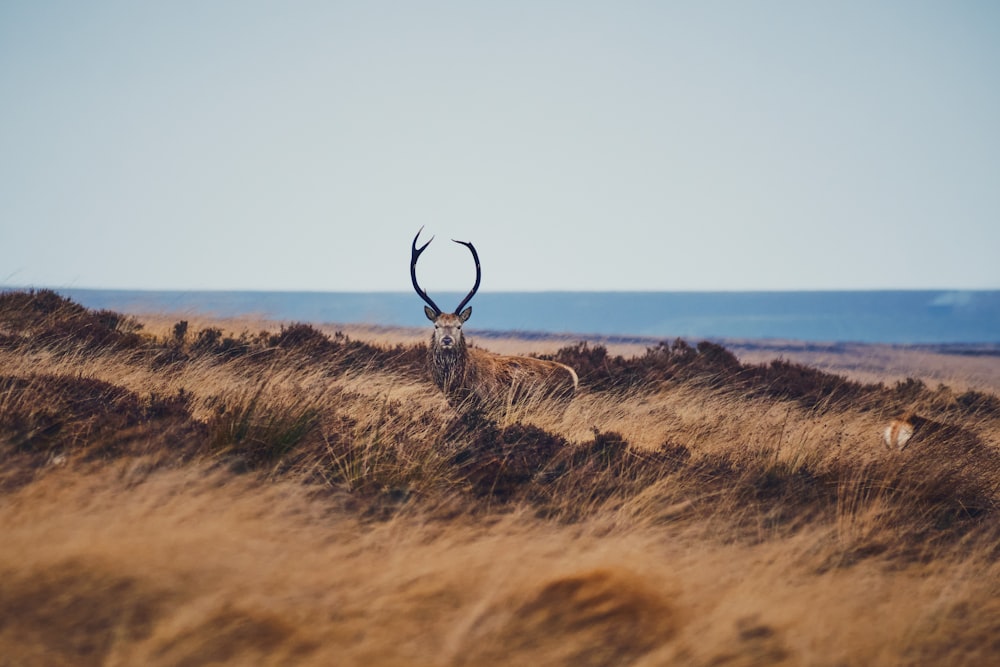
(905, 317)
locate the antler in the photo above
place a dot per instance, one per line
(414, 256)
(479, 275)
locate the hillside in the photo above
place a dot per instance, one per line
(191, 494)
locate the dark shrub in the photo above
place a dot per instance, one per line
(809, 386)
(49, 415)
(46, 319)
(180, 332)
(305, 339)
(500, 462)
(979, 403)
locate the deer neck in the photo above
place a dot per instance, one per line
(448, 365)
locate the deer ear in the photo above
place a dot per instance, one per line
(465, 314)
(429, 312)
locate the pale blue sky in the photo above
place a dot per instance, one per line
(580, 145)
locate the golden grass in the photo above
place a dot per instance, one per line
(285, 507)
(119, 567)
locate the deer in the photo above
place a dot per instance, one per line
(910, 427)
(475, 378)
(959, 459)
(900, 430)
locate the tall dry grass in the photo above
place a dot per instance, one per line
(283, 497)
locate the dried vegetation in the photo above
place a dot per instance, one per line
(288, 497)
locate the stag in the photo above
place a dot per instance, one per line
(473, 377)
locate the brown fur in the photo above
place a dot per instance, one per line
(467, 374)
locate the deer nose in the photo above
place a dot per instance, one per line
(447, 341)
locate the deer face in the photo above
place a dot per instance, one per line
(448, 327)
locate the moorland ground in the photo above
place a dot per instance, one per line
(197, 492)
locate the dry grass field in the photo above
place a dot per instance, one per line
(225, 493)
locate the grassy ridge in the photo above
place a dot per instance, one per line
(687, 508)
